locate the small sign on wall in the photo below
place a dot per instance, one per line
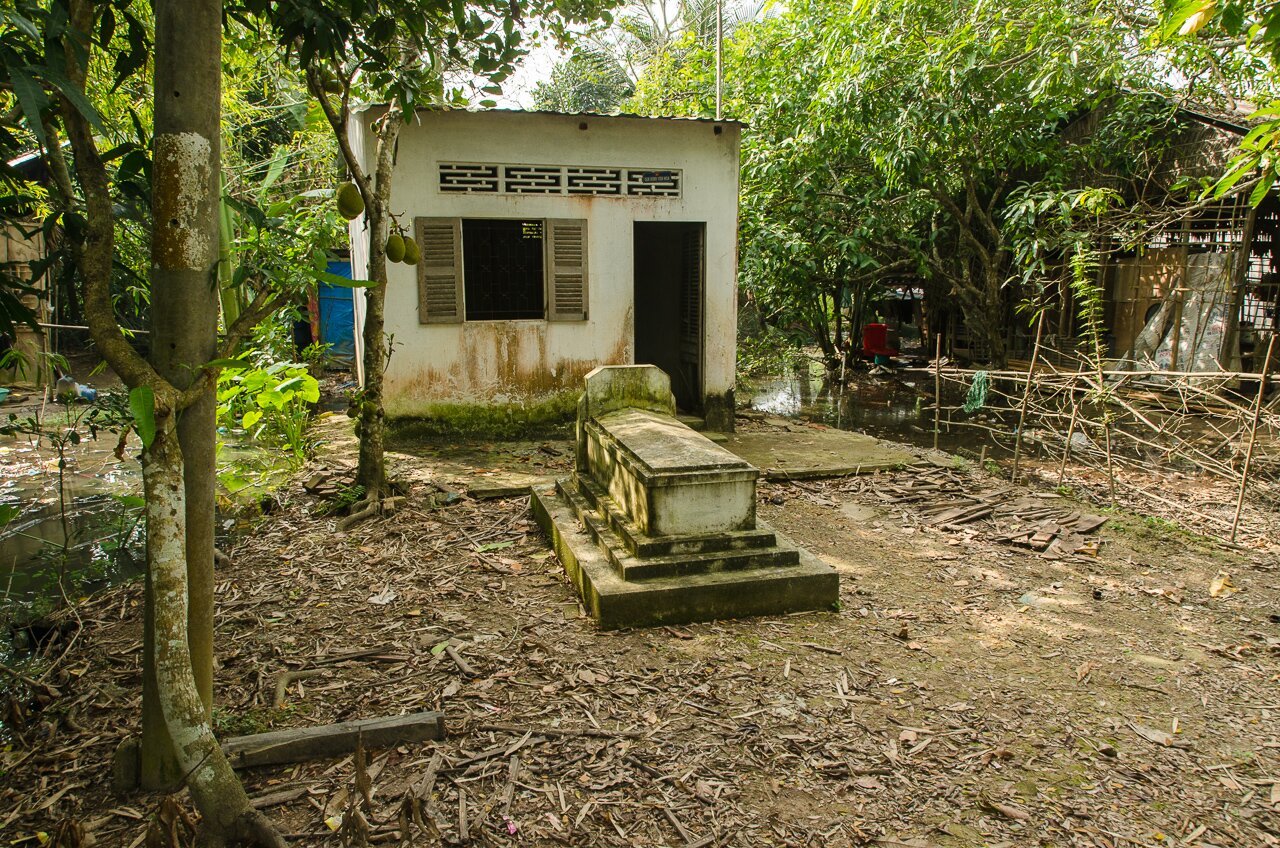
(657, 176)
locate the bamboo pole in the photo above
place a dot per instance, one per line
(937, 391)
(1026, 397)
(1253, 433)
(1066, 450)
(1225, 376)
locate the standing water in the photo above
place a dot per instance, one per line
(70, 511)
(890, 407)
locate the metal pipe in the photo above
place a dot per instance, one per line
(719, 59)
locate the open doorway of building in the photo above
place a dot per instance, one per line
(669, 274)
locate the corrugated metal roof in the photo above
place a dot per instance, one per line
(696, 120)
(1235, 119)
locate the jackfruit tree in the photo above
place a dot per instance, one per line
(400, 56)
(171, 388)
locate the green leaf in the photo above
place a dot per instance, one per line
(270, 399)
(1241, 166)
(273, 172)
(142, 403)
(75, 97)
(8, 512)
(493, 546)
(310, 391)
(20, 23)
(32, 99)
(438, 649)
(227, 364)
(1260, 191)
(251, 417)
(335, 280)
(1181, 13)
(247, 210)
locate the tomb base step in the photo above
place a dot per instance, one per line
(706, 554)
(616, 602)
(589, 499)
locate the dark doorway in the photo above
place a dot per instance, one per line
(669, 274)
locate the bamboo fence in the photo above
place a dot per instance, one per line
(1219, 424)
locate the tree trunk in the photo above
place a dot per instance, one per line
(226, 815)
(371, 471)
(184, 253)
(184, 321)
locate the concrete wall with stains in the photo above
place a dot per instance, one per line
(529, 361)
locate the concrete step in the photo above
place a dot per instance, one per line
(693, 422)
(615, 602)
(674, 565)
(590, 498)
(632, 567)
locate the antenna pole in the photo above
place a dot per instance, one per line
(719, 59)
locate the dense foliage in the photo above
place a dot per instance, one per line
(922, 144)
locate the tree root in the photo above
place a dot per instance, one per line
(252, 828)
(370, 508)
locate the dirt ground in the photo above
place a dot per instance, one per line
(966, 693)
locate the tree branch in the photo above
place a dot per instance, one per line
(339, 119)
(95, 257)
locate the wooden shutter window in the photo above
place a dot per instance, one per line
(566, 270)
(439, 270)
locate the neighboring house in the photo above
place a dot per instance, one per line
(551, 244)
(18, 250)
(1202, 293)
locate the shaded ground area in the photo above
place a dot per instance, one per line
(966, 693)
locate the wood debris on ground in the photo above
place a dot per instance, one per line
(1125, 706)
(1041, 521)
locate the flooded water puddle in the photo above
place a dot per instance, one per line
(69, 529)
(71, 518)
(888, 408)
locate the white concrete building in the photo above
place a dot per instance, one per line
(552, 244)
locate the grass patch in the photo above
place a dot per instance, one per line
(552, 417)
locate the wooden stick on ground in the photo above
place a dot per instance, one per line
(1253, 434)
(599, 733)
(331, 740)
(462, 664)
(1026, 397)
(937, 391)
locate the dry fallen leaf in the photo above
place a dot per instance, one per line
(1083, 672)
(1221, 585)
(1008, 810)
(1151, 734)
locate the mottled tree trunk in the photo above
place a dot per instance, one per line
(184, 321)
(184, 254)
(371, 471)
(226, 815)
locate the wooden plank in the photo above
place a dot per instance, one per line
(331, 740)
(1089, 523)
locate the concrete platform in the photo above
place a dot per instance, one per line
(615, 602)
(788, 455)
